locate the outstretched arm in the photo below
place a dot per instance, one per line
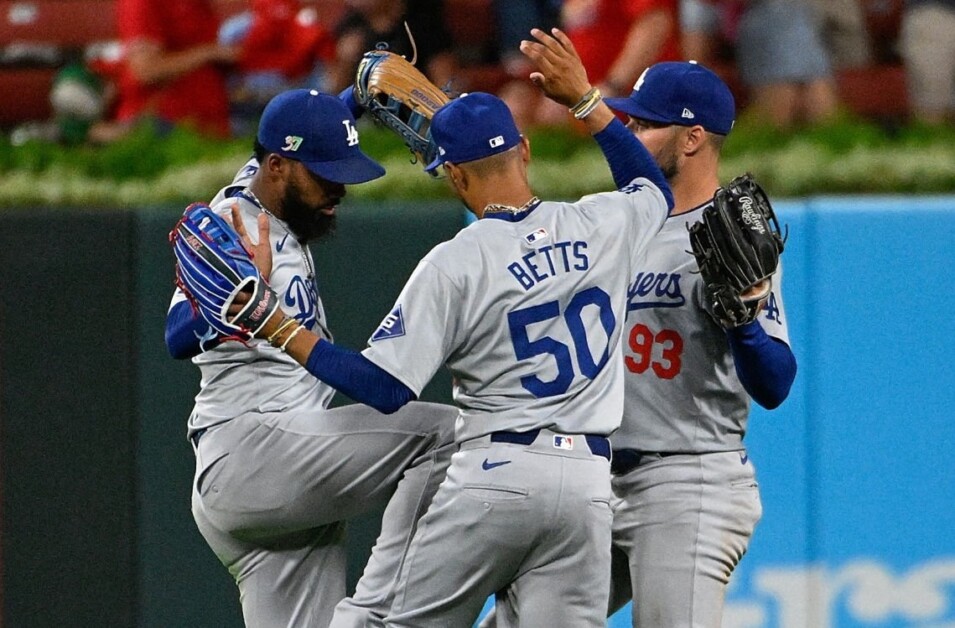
(343, 369)
(562, 77)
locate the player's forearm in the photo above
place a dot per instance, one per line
(185, 330)
(629, 158)
(765, 366)
(353, 374)
(345, 370)
(347, 96)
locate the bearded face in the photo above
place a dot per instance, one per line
(308, 222)
(308, 204)
(666, 158)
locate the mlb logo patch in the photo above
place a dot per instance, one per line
(564, 442)
(392, 327)
(534, 236)
(496, 141)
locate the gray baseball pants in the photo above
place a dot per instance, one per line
(272, 491)
(530, 523)
(681, 525)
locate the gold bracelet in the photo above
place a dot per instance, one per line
(290, 336)
(589, 106)
(288, 322)
(586, 100)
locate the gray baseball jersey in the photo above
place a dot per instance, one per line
(277, 472)
(278, 382)
(682, 392)
(526, 310)
(682, 395)
(527, 315)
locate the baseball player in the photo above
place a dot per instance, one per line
(685, 495)
(277, 473)
(679, 454)
(525, 307)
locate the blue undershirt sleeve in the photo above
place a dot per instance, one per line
(358, 377)
(629, 158)
(184, 331)
(347, 96)
(765, 365)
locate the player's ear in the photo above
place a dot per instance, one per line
(694, 138)
(275, 163)
(525, 149)
(456, 175)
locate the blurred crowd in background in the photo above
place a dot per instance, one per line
(99, 67)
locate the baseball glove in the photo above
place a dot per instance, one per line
(737, 246)
(399, 96)
(213, 267)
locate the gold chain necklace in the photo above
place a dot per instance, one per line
(507, 209)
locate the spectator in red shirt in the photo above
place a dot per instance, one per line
(283, 45)
(618, 39)
(174, 69)
(283, 38)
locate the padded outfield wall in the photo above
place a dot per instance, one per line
(856, 467)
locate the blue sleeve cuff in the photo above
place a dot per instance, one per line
(765, 366)
(629, 158)
(187, 334)
(358, 377)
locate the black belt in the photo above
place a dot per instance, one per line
(599, 445)
(626, 460)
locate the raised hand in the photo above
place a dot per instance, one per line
(261, 253)
(560, 73)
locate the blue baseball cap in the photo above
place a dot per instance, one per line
(472, 126)
(683, 93)
(319, 131)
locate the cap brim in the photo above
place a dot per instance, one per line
(633, 109)
(358, 168)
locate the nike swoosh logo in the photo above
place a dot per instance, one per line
(280, 244)
(487, 466)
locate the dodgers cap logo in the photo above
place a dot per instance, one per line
(319, 131)
(471, 127)
(683, 93)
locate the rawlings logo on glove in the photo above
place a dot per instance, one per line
(737, 246)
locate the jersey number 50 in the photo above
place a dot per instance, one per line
(524, 347)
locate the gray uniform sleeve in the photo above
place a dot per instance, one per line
(421, 330)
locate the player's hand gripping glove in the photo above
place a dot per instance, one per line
(213, 267)
(737, 247)
(399, 96)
